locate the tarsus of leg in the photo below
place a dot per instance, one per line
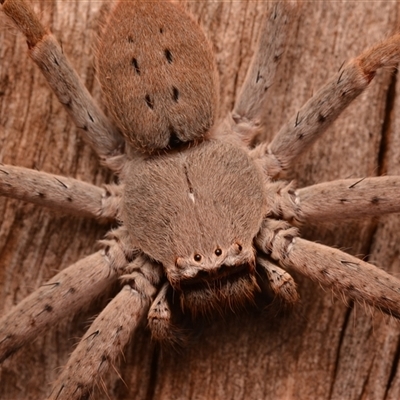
(99, 132)
(60, 193)
(308, 124)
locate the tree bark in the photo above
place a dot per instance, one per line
(323, 349)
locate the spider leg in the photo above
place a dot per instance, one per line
(44, 50)
(245, 119)
(345, 274)
(64, 294)
(342, 199)
(280, 284)
(105, 340)
(60, 193)
(325, 106)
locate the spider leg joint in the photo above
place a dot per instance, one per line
(277, 238)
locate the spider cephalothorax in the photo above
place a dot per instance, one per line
(204, 224)
(198, 228)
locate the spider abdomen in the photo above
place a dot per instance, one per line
(158, 74)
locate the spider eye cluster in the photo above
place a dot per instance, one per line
(197, 257)
(158, 75)
(218, 252)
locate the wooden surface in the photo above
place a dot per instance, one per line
(323, 349)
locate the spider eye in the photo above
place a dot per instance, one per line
(218, 252)
(197, 257)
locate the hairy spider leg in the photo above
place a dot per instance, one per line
(245, 119)
(342, 199)
(61, 193)
(46, 52)
(344, 274)
(64, 294)
(311, 121)
(104, 342)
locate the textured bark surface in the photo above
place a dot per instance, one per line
(323, 349)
